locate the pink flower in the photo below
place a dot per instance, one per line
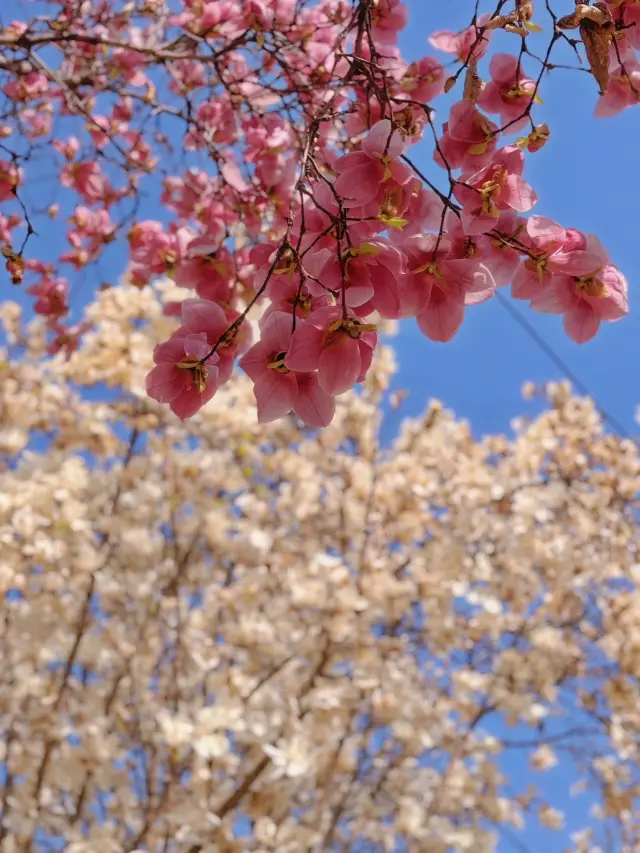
(185, 375)
(494, 188)
(279, 390)
(53, 296)
(211, 275)
(10, 177)
(438, 286)
(586, 288)
(67, 338)
(465, 44)
(340, 348)
(200, 316)
(624, 85)
(361, 175)
(388, 17)
(500, 254)
(469, 139)
(87, 180)
(291, 296)
(509, 93)
(371, 271)
(423, 80)
(542, 238)
(32, 85)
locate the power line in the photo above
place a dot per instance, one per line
(560, 363)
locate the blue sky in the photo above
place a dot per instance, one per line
(587, 177)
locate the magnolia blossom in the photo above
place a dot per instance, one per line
(277, 388)
(509, 93)
(469, 139)
(570, 273)
(361, 175)
(495, 188)
(186, 373)
(439, 286)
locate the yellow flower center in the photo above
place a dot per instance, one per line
(198, 371)
(591, 285)
(276, 362)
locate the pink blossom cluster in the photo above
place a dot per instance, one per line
(323, 288)
(295, 189)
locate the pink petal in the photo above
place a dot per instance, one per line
(165, 382)
(377, 138)
(191, 400)
(340, 365)
(386, 298)
(254, 361)
(415, 291)
(478, 223)
(305, 348)
(171, 351)
(445, 40)
(543, 230)
(232, 175)
(441, 319)
(581, 323)
(277, 330)
(275, 395)
(525, 283)
(554, 297)
(313, 405)
(359, 185)
(358, 295)
(197, 346)
(618, 302)
(366, 357)
(482, 288)
(518, 194)
(490, 99)
(503, 68)
(202, 315)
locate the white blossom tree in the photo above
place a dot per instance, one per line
(218, 636)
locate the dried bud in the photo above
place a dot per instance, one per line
(500, 22)
(597, 39)
(472, 83)
(524, 9)
(597, 30)
(449, 83)
(14, 265)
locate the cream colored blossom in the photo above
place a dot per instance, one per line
(327, 638)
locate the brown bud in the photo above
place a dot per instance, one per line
(524, 9)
